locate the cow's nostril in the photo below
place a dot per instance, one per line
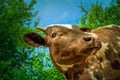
(87, 39)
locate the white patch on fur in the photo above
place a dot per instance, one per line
(64, 25)
(101, 53)
(118, 37)
(119, 43)
(110, 26)
(92, 34)
(92, 67)
(65, 67)
(96, 70)
(91, 73)
(115, 50)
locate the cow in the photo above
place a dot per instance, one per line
(81, 53)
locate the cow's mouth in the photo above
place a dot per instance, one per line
(70, 57)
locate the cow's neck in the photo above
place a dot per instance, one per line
(73, 71)
(77, 70)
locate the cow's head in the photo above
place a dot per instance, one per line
(68, 44)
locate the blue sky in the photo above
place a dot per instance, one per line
(62, 11)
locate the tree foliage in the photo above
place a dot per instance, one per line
(97, 15)
(35, 69)
(19, 61)
(13, 15)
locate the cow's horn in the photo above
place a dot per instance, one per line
(41, 29)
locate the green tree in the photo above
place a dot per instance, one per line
(14, 14)
(19, 61)
(97, 16)
(37, 67)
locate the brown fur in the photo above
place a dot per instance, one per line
(82, 54)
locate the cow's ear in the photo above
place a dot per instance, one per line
(34, 39)
(85, 29)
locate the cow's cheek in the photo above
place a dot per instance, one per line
(61, 42)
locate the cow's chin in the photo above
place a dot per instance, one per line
(72, 57)
(69, 58)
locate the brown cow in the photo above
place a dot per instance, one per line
(82, 54)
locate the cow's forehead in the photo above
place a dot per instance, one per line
(63, 25)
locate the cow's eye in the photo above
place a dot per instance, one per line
(54, 35)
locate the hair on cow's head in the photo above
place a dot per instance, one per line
(85, 29)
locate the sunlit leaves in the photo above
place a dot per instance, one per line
(97, 16)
